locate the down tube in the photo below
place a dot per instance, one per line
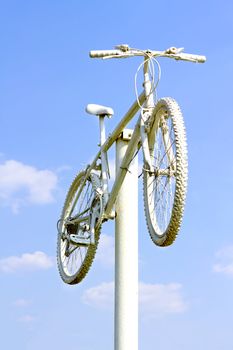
(132, 146)
(112, 138)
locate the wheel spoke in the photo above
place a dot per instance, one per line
(73, 267)
(165, 186)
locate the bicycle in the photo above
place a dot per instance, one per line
(160, 132)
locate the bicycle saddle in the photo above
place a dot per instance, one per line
(99, 110)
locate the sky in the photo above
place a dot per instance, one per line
(47, 79)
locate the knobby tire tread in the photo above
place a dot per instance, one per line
(82, 272)
(169, 236)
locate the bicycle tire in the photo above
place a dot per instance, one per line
(166, 116)
(84, 256)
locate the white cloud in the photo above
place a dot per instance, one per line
(225, 261)
(161, 298)
(26, 262)
(22, 184)
(63, 168)
(26, 319)
(100, 296)
(22, 302)
(154, 299)
(106, 250)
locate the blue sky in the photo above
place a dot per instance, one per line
(46, 81)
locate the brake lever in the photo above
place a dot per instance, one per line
(174, 50)
(122, 47)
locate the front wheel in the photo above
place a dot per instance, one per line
(75, 247)
(165, 186)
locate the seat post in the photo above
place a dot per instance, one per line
(102, 129)
(104, 161)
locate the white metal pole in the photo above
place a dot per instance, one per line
(126, 253)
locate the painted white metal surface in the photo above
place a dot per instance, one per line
(126, 255)
(172, 52)
(103, 159)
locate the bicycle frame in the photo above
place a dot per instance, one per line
(159, 130)
(146, 99)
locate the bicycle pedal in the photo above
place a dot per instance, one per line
(81, 241)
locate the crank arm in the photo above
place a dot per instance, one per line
(79, 240)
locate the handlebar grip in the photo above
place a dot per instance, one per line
(190, 57)
(103, 53)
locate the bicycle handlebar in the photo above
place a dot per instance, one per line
(127, 52)
(104, 53)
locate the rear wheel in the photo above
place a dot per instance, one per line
(75, 252)
(165, 188)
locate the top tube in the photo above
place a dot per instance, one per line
(124, 51)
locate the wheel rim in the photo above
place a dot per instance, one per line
(161, 184)
(72, 263)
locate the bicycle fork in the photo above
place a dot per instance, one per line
(157, 121)
(146, 115)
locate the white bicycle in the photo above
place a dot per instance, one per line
(160, 132)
